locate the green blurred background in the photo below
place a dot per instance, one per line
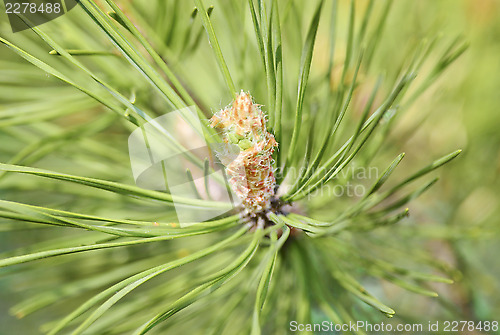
(458, 219)
(460, 215)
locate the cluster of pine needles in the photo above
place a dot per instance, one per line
(107, 257)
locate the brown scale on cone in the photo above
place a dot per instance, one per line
(250, 174)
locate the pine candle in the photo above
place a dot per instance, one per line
(251, 175)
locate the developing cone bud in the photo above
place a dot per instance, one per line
(250, 174)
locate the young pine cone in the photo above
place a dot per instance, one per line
(250, 174)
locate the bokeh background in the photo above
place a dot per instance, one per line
(458, 219)
(460, 216)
